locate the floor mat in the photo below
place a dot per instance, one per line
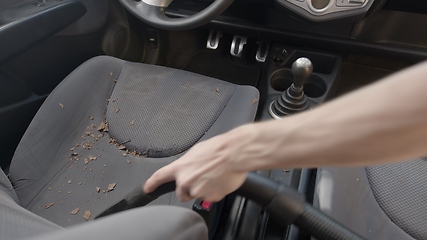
(219, 65)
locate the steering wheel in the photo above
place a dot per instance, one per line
(283, 203)
(153, 13)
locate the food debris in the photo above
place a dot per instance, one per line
(115, 100)
(134, 153)
(75, 211)
(70, 181)
(112, 141)
(117, 110)
(255, 100)
(90, 117)
(98, 189)
(111, 73)
(87, 215)
(92, 158)
(72, 149)
(217, 90)
(87, 146)
(80, 183)
(86, 161)
(103, 127)
(61, 105)
(111, 187)
(49, 188)
(128, 161)
(122, 147)
(74, 154)
(132, 122)
(48, 205)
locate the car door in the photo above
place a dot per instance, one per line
(41, 42)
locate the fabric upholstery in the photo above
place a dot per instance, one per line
(65, 161)
(17, 222)
(167, 112)
(148, 223)
(401, 191)
(345, 195)
(6, 187)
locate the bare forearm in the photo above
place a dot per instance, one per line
(384, 122)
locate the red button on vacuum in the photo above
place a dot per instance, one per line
(206, 205)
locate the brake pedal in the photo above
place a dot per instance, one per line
(262, 51)
(213, 39)
(237, 45)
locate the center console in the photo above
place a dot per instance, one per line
(295, 79)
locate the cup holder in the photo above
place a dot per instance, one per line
(314, 87)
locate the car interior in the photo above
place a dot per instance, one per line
(96, 95)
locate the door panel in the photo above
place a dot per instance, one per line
(42, 42)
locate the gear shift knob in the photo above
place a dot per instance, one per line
(301, 71)
(293, 99)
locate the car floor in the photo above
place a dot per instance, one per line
(187, 50)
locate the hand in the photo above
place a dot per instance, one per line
(206, 171)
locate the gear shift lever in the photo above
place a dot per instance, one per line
(293, 99)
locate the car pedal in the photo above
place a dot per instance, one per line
(213, 39)
(262, 51)
(237, 45)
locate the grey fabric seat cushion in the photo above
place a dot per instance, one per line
(346, 195)
(15, 221)
(18, 223)
(167, 112)
(150, 223)
(66, 160)
(401, 191)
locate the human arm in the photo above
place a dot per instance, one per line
(384, 122)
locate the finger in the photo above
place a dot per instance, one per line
(202, 191)
(183, 194)
(163, 175)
